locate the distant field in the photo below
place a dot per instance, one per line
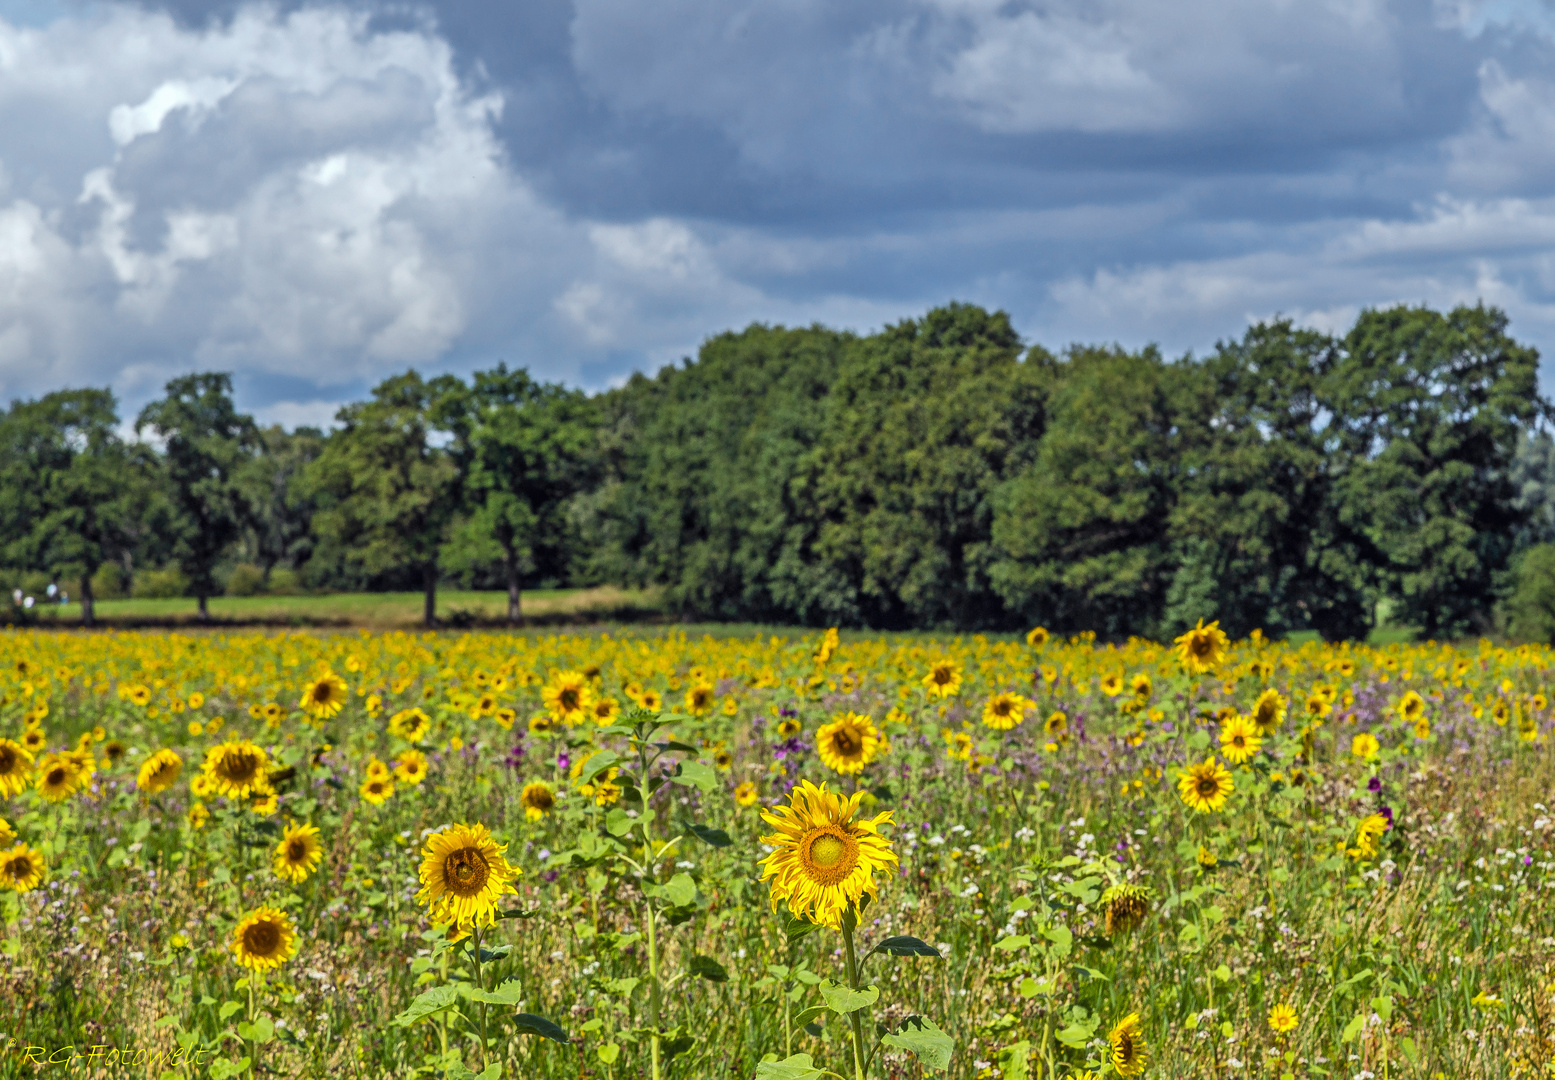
(378, 610)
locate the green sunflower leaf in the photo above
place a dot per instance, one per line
(903, 945)
(530, 1024)
(714, 837)
(843, 1000)
(798, 1067)
(509, 993)
(695, 774)
(427, 1003)
(924, 1041)
(705, 967)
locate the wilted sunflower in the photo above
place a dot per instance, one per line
(59, 777)
(1239, 739)
(15, 768)
(943, 680)
(1203, 648)
(1004, 711)
(159, 772)
(699, 699)
(1268, 712)
(848, 743)
(411, 767)
(1126, 907)
(463, 874)
(264, 940)
(21, 869)
(236, 769)
(568, 696)
(298, 854)
(325, 696)
(824, 857)
(1127, 1047)
(377, 790)
(537, 800)
(1206, 786)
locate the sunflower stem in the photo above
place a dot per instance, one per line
(475, 934)
(854, 1017)
(653, 992)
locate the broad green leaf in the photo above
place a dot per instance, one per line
(810, 1014)
(1352, 1030)
(618, 822)
(924, 1041)
(426, 1003)
(260, 1031)
(458, 1070)
(511, 992)
(904, 945)
(227, 1009)
(1013, 942)
(715, 837)
(844, 1000)
(597, 764)
(679, 890)
(530, 1024)
(607, 1053)
(695, 774)
(798, 1067)
(1014, 1061)
(705, 967)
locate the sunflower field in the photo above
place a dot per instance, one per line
(643, 854)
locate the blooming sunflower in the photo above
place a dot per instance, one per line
(605, 711)
(1004, 711)
(7, 833)
(375, 769)
(298, 854)
(1142, 687)
(943, 680)
(568, 696)
(1126, 1044)
(1239, 739)
(824, 857)
(1282, 1019)
(1268, 712)
(1037, 637)
(699, 699)
(411, 767)
(59, 777)
(1365, 746)
(114, 751)
(1367, 833)
(746, 794)
(848, 743)
(265, 939)
(325, 696)
(1203, 648)
(159, 772)
(537, 800)
(1057, 723)
(34, 740)
(788, 728)
(376, 790)
(21, 869)
(463, 874)
(236, 769)
(651, 700)
(410, 724)
(15, 768)
(1112, 683)
(139, 695)
(1411, 707)
(1206, 786)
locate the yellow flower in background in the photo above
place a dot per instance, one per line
(1037, 637)
(376, 790)
(1057, 724)
(699, 699)
(59, 777)
(1005, 711)
(1365, 746)
(198, 815)
(22, 869)
(196, 700)
(237, 769)
(375, 769)
(7, 834)
(1411, 707)
(1202, 649)
(34, 740)
(605, 711)
(1239, 739)
(298, 854)
(848, 743)
(568, 696)
(1367, 834)
(943, 680)
(15, 768)
(264, 940)
(159, 772)
(411, 725)
(1205, 787)
(325, 696)
(537, 800)
(746, 794)
(1112, 684)
(410, 767)
(824, 856)
(1268, 712)
(463, 874)
(1282, 1019)
(1126, 1047)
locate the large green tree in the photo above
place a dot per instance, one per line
(206, 446)
(281, 526)
(523, 450)
(71, 491)
(386, 491)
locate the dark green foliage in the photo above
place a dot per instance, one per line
(1530, 610)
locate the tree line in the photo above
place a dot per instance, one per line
(938, 473)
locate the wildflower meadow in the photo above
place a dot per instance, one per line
(639, 853)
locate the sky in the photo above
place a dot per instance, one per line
(317, 196)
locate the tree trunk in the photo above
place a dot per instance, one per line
(515, 613)
(88, 605)
(205, 608)
(429, 611)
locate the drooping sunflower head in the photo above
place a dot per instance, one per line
(537, 800)
(824, 855)
(15, 768)
(463, 875)
(1126, 907)
(159, 772)
(848, 743)
(1004, 711)
(1203, 648)
(1126, 1045)
(21, 869)
(236, 769)
(1268, 712)
(264, 940)
(59, 777)
(1206, 786)
(325, 696)
(298, 854)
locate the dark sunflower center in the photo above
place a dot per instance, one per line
(240, 767)
(942, 675)
(57, 776)
(262, 939)
(1001, 708)
(1199, 645)
(1207, 786)
(7, 760)
(828, 854)
(297, 851)
(1126, 1050)
(844, 744)
(466, 872)
(569, 699)
(19, 867)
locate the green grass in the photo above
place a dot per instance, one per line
(377, 610)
